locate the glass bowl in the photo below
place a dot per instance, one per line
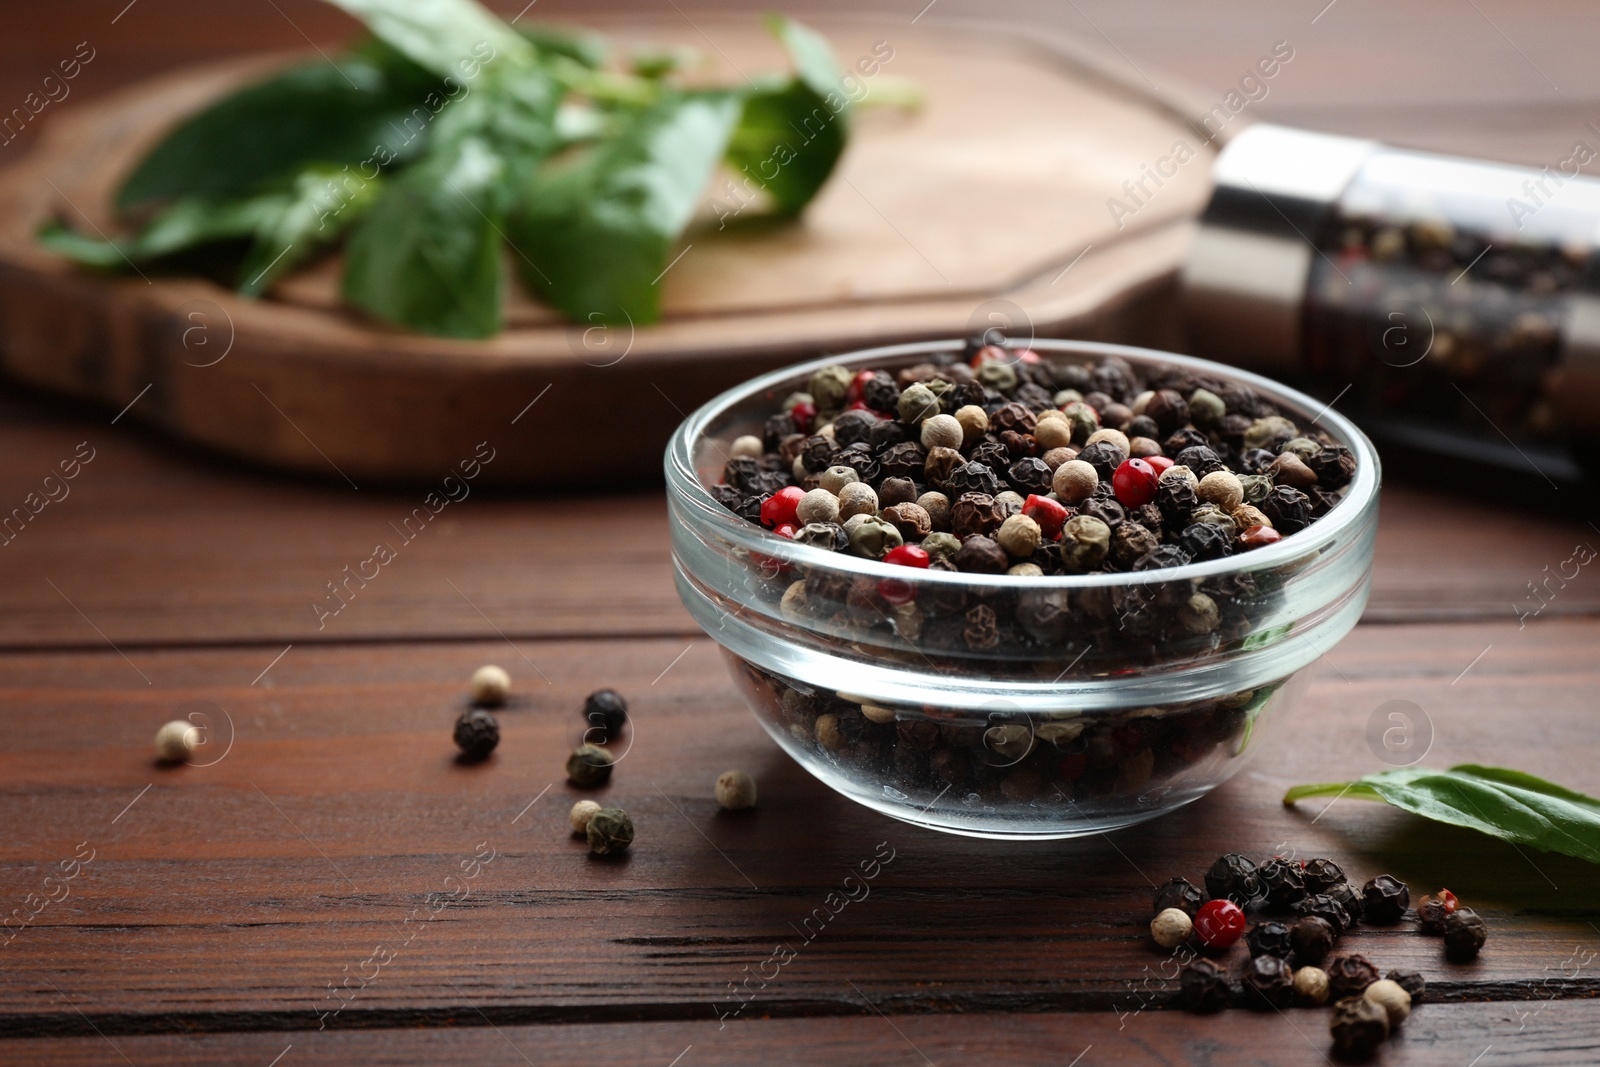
(1008, 706)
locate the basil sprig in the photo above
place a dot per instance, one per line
(1507, 804)
(448, 143)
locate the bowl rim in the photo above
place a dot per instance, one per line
(685, 488)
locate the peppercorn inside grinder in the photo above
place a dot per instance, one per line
(1086, 713)
(1451, 306)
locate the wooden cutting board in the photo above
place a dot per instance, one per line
(989, 203)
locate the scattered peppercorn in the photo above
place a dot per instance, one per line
(476, 734)
(1322, 874)
(1203, 986)
(1325, 907)
(736, 790)
(1392, 998)
(1350, 899)
(1386, 899)
(1312, 939)
(1269, 939)
(1349, 974)
(1311, 986)
(1433, 910)
(610, 830)
(490, 686)
(1358, 1027)
(1219, 923)
(1171, 927)
(606, 710)
(1282, 883)
(1268, 982)
(1411, 982)
(1179, 893)
(1464, 935)
(1234, 877)
(176, 741)
(589, 766)
(581, 813)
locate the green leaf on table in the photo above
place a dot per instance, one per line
(365, 110)
(451, 38)
(326, 201)
(791, 133)
(1507, 804)
(427, 253)
(595, 233)
(515, 114)
(186, 224)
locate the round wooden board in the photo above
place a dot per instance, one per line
(991, 200)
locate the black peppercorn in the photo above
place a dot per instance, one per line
(1281, 882)
(853, 427)
(589, 766)
(859, 458)
(1143, 426)
(1269, 939)
(1312, 940)
(1268, 982)
(1255, 460)
(1164, 556)
(610, 830)
(1030, 475)
(1350, 899)
(1114, 377)
(982, 631)
(1411, 982)
(991, 454)
(1322, 875)
(774, 430)
(817, 453)
(886, 434)
(829, 536)
(1203, 986)
(975, 513)
(605, 711)
(1234, 877)
(1169, 409)
(905, 460)
(1349, 975)
(1012, 416)
(881, 394)
(1200, 459)
(1432, 912)
(1287, 507)
(1183, 439)
(1325, 907)
(1464, 935)
(1386, 899)
(1179, 893)
(1206, 540)
(1358, 1028)
(1105, 508)
(476, 734)
(1129, 541)
(1334, 466)
(973, 478)
(980, 555)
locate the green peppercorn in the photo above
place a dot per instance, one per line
(941, 545)
(610, 830)
(1085, 542)
(917, 403)
(830, 387)
(589, 766)
(476, 734)
(873, 537)
(1206, 408)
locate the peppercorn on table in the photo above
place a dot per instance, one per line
(325, 882)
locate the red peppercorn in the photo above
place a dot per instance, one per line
(857, 393)
(1026, 355)
(1049, 514)
(896, 592)
(1160, 463)
(786, 530)
(1258, 537)
(907, 556)
(1448, 899)
(989, 354)
(779, 508)
(1134, 483)
(1219, 923)
(802, 414)
(861, 405)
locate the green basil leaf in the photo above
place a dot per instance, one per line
(583, 46)
(1511, 805)
(325, 203)
(371, 108)
(188, 223)
(427, 253)
(594, 235)
(451, 38)
(516, 114)
(791, 134)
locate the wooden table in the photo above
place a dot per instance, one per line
(224, 903)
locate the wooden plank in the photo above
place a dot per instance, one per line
(231, 896)
(155, 549)
(1531, 1032)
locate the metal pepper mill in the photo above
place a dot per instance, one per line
(1451, 306)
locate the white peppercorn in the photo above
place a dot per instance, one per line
(1026, 570)
(1221, 488)
(1178, 473)
(748, 445)
(735, 790)
(176, 741)
(1116, 438)
(937, 505)
(1141, 402)
(834, 479)
(1171, 927)
(974, 424)
(857, 498)
(1392, 998)
(793, 606)
(1311, 985)
(942, 431)
(1053, 433)
(1075, 481)
(819, 505)
(582, 812)
(490, 685)
(873, 713)
(1019, 536)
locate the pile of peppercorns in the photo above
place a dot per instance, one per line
(1291, 962)
(997, 461)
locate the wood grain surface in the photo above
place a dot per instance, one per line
(223, 900)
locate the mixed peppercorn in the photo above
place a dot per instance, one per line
(1291, 959)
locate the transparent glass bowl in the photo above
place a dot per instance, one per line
(1003, 706)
